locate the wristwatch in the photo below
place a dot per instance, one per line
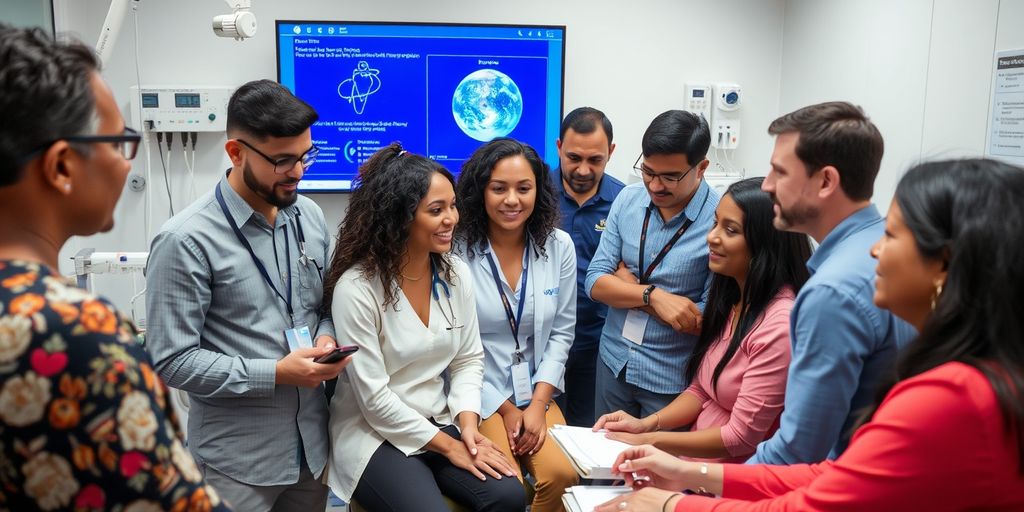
(647, 295)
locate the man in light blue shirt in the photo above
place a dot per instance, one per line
(821, 179)
(651, 269)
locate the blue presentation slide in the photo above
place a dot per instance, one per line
(440, 90)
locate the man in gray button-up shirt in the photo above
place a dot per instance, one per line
(226, 278)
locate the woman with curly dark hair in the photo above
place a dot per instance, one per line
(524, 274)
(394, 291)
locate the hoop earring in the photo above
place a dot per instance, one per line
(936, 294)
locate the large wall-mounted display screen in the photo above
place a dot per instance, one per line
(439, 89)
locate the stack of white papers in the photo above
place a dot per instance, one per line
(581, 498)
(591, 454)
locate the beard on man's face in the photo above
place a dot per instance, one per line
(579, 184)
(270, 193)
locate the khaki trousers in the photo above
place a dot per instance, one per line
(548, 466)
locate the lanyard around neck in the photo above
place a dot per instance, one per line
(646, 275)
(513, 321)
(259, 264)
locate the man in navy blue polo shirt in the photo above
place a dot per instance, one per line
(584, 147)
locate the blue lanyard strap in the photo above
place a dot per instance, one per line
(513, 321)
(256, 260)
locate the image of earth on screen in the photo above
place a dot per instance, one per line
(441, 91)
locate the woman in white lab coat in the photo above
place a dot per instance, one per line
(524, 275)
(394, 291)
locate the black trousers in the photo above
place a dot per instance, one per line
(577, 402)
(394, 482)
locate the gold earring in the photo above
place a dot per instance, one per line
(936, 295)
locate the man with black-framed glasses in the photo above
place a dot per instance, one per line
(651, 269)
(234, 285)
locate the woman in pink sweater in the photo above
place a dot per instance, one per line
(949, 434)
(738, 369)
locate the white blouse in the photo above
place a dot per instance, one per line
(395, 384)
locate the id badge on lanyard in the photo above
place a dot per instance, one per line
(635, 325)
(522, 382)
(298, 337)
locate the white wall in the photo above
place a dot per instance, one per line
(921, 69)
(1010, 32)
(873, 53)
(629, 59)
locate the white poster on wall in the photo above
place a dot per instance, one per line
(1006, 116)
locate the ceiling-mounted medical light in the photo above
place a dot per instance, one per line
(240, 24)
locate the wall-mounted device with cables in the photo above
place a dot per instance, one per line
(725, 116)
(719, 105)
(185, 110)
(698, 100)
(180, 109)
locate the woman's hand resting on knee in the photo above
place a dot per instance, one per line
(475, 453)
(488, 458)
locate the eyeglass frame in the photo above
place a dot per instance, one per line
(128, 135)
(307, 158)
(666, 180)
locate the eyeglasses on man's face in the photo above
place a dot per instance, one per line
(287, 163)
(127, 143)
(668, 179)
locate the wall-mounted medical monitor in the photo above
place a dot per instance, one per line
(441, 90)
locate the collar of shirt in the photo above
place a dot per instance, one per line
(242, 212)
(481, 255)
(605, 191)
(861, 219)
(490, 250)
(692, 209)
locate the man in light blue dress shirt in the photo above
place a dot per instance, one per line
(651, 269)
(822, 176)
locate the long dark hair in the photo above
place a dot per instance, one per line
(476, 173)
(969, 213)
(375, 230)
(777, 259)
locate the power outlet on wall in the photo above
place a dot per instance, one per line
(137, 182)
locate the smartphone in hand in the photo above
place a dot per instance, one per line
(337, 354)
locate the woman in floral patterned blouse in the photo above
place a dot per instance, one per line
(84, 422)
